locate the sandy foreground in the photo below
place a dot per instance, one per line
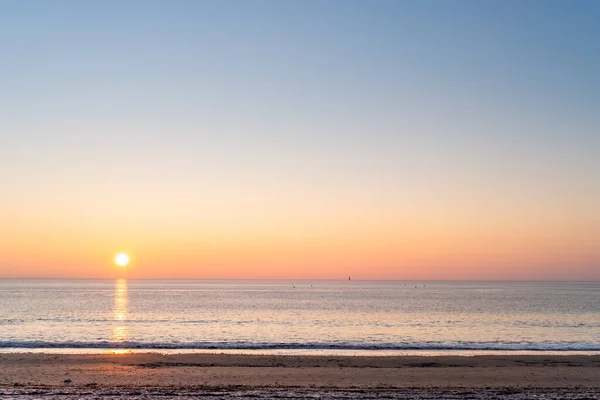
(276, 376)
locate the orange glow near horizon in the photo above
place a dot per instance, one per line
(312, 240)
(365, 249)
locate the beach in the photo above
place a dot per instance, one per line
(265, 376)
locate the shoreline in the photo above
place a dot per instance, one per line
(297, 352)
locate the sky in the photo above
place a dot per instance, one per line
(300, 139)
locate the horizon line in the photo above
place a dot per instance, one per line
(308, 279)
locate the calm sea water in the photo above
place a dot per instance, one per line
(299, 315)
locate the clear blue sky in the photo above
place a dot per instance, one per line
(492, 106)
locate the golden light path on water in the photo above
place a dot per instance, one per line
(120, 332)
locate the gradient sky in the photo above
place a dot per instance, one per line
(300, 139)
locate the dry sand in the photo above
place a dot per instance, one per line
(149, 375)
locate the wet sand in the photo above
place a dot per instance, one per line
(266, 376)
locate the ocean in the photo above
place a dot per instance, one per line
(299, 315)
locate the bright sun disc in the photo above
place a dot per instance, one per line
(122, 259)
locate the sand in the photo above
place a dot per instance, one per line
(267, 376)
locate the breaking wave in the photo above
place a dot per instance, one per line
(491, 346)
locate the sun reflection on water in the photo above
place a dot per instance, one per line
(119, 351)
(120, 332)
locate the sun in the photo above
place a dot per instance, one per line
(122, 259)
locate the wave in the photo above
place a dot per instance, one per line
(446, 346)
(436, 323)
